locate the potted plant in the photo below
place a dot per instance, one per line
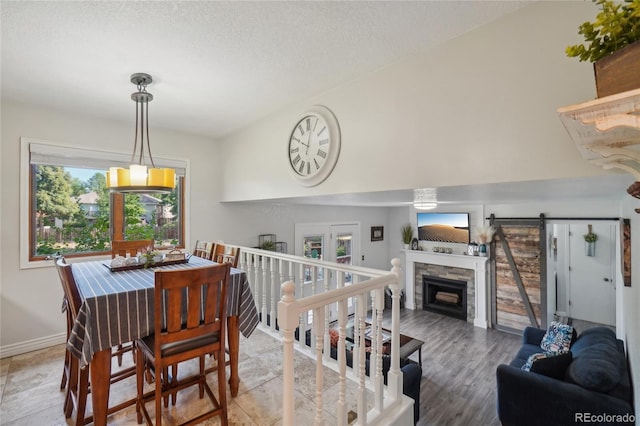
(407, 235)
(485, 234)
(590, 239)
(268, 245)
(611, 44)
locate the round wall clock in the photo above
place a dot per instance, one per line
(314, 146)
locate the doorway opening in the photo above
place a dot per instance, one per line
(583, 276)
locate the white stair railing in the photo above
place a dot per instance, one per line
(317, 295)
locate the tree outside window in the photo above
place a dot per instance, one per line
(72, 214)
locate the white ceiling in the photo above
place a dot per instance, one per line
(219, 66)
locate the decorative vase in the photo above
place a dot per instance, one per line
(482, 250)
(590, 248)
(406, 246)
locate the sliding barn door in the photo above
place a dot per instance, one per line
(518, 274)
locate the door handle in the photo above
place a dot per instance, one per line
(606, 280)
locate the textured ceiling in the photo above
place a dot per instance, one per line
(217, 66)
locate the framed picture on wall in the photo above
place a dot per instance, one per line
(377, 233)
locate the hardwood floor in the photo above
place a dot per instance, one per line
(459, 364)
(458, 379)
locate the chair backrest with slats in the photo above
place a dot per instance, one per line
(69, 287)
(224, 254)
(204, 249)
(193, 302)
(130, 247)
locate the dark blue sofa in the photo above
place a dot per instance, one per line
(596, 382)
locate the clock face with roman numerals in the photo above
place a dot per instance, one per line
(314, 146)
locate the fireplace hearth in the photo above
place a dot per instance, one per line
(444, 296)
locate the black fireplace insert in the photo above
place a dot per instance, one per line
(444, 296)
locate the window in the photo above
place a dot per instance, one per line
(72, 212)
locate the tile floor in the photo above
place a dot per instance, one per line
(30, 389)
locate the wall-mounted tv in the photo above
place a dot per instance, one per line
(444, 227)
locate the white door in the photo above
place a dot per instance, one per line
(326, 241)
(331, 242)
(591, 278)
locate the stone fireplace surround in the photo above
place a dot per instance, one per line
(471, 269)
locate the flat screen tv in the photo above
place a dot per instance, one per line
(444, 227)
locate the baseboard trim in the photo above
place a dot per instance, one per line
(479, 323)
(32, 345)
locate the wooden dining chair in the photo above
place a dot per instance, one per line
(130, 247)
(224, 254)
(78, 379)
(193, 301)
(76, 393)
(204, 249)
(67, 354)
(66, 308)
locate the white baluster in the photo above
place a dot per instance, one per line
(302, 334)
(242, 262)
(362, 390)
(318, 328)
(327, 311)
(288, 318)
(265, 285)
(281, 280)
(253, 281)
(377, 307)
(374, 351)
(341, 413)
(314, 279)
(394, 376)
(272, 290)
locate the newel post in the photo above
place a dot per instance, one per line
(394, 378)
(288, 320)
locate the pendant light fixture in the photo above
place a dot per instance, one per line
(138, 178)
(425, 199)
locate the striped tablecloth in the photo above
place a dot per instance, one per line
(117, 307)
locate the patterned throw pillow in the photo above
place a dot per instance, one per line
(552, 364)
(533, 358)
(557, 338)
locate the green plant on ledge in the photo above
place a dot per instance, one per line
(590, 237)
(407, 233)
(268, 245)
(616, 26)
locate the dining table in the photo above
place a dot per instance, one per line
(117, 307)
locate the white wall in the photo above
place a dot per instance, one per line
(479, 109)
(30, 299)
(253, 219)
